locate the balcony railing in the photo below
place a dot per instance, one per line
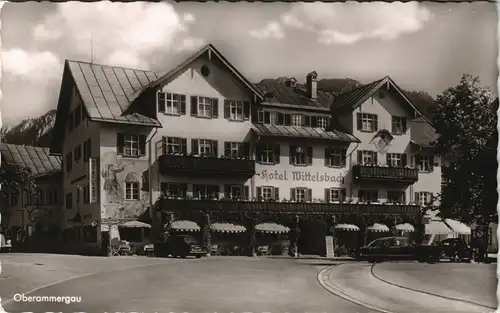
(187, 164)
(384, 173)
(180, 204)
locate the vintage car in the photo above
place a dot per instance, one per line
(179, 246)
(455, 250)
(397, 248)
(5, 244)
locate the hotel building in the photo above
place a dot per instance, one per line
(202, 138)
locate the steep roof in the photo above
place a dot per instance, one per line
(35, 158)
(350, 99)
(278, 93)
(302, 132)
(107, 91)
(423, 133)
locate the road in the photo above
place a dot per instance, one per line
(208, 285)
(241, 284)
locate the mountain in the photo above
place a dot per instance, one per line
(33, 131)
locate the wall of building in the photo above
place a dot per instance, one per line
(220, 84)
(79, 174)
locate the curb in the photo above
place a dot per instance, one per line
(428, 293)
(325, 282)
(7, 302)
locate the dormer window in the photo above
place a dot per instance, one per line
(297, 119)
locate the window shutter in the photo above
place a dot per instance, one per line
(194, 105)
(360, 157)
(417, 198)
(344, 157)
(403, 122)
(183, 188)
(280, 118)
(142, 144)
(89, 148)
(327, 156)
(359, 121)
(215, 108)
(194, 146)
(184, 145)
(404, 160)
(309, 195)
(258, 152)
(417, 160)
(292, 194)
(246, 110)
(161, 101)
(314, 121)
(226, 109)
(388, 159)
(182, 106)
(327, 195)
(276, 152)
(307, 121)
(85, 151)
(246, 150)
(227, 148)
(246, 192)
(288, 120)
(120, 142)
(375, 158)
(276, 193)
(258, 192)
(292, 154)
(260, 114)
(309, 155)
(428, 197)
(163, 145)
(343, 194)
(431, 162)
(375, 123)
(215, 149)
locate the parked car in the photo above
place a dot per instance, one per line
(398, 248)
(5, 244)
(179, 246)
(455, 250)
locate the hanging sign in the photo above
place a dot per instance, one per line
(93, 180)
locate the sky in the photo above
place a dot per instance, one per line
(422, 46)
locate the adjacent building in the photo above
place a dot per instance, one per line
(207, 139)
(37, 211)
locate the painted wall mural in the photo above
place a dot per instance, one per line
(115, 172)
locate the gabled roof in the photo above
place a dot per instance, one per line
(423, 133)
(212, 51)
(302, 132)
(35, 158)
(279, 94)
(106, 91)
(352, 99)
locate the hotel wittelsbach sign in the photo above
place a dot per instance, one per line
(301, 176)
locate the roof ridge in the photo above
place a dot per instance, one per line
(114, 66)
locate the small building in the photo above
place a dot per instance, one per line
(216, 148)
(38, 212)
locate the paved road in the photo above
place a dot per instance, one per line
(357, 282)
(208, 285)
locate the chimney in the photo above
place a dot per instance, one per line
(291, 82)
(312, 84)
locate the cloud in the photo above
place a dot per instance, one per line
(189, 44)
(39, 66)
(348, 23)
(121, 33)
(273, 30)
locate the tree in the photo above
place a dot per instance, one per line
(466, 122)
(422, 101)
(15, 177)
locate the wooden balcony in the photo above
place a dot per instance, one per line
(285, 207)
(202, 166)
(374, 174)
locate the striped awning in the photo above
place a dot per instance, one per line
(347, 227)
(227, 228)
(134, 224)
(272, 228)
(458, 227)
(437, 227)
(184, 225)
(378, 228)
(407, 227)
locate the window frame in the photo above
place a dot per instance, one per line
(324, 121)
(367, 119)
(132, 191)
(203, 144)
(427, 195)
(370, 154)
(236, 106)
(398, 122)
(395, 159)
(268, 152)
(204, 107)
(391, 199)
(175, 186)
(211, 191)
(297, 120)
(263, 192)
(336, 152)
(367, 195)
(131, 139)
(425, 159)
